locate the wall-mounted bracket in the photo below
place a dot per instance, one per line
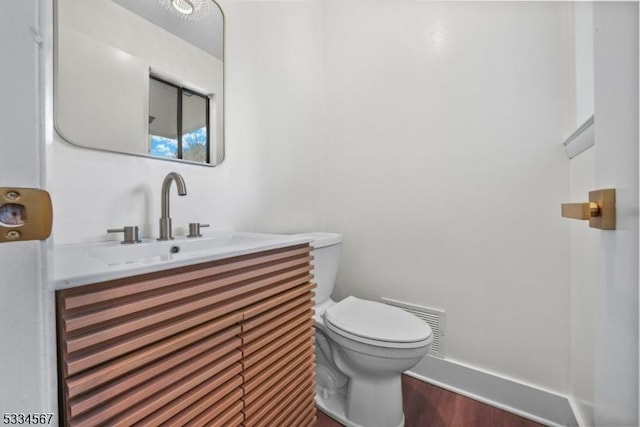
(600, 210)
(25, 214)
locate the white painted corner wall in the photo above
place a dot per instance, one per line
(445, 123)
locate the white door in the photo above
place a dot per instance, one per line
(25, 340)
(616, 164)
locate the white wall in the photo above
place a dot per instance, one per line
(273, 129)
(444, 130)
(583, 57)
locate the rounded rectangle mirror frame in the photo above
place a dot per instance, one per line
(102, 78)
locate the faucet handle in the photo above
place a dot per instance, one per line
(130, 234)
(194, 229)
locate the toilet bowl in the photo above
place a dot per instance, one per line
(362, 347)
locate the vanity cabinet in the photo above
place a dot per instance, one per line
(222, 343)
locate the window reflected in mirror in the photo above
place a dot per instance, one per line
(195, 127)
(178, 122)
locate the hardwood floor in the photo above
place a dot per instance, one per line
(426, 405)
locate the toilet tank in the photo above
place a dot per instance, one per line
(327, 248)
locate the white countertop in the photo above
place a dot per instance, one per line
(83, 264)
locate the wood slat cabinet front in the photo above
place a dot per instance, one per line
(222, 343)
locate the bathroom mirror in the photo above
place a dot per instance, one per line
(141, 77)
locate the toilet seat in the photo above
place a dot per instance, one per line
(376, 324)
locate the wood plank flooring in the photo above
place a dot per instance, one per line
(426, 405)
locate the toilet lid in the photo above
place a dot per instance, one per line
(375, 321)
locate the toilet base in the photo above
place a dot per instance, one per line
(334, 405)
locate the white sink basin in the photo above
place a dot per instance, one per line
(93, 262)
(153, 251)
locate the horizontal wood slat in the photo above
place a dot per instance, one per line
(152, 317)
(208, 408)
(152, 395)
(280, 288)
(190, 346)
(262, 384)
(114, 349)
(123, 365)
(112, 290)
(285, 407)
(231, 417)
(279, 397)
(302, 337)
(261, 372)
(296, 410)
(275, 323)
(279, 308)
(269, 301)
(290, 329)
(154, 320)
(197, 400)
(184, 291)
(225, 355)
(311, 419)
(307, 415)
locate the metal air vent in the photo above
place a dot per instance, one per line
(433, 317)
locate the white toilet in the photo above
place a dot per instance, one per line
(362, 347)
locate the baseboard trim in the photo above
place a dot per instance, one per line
(580, 422)
(530, 402)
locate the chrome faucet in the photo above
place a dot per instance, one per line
(166, 232)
